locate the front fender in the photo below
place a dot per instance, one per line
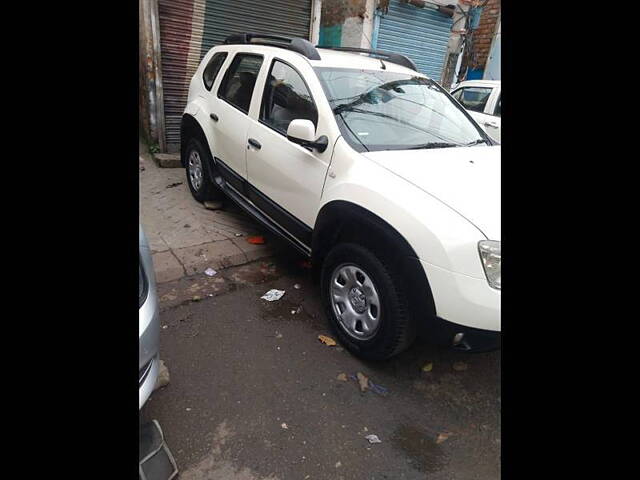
(438, 234)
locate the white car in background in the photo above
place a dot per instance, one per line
(483, 101)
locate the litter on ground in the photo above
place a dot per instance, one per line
(210, 272)
(273, 295)
(373, 438)
(256, 240)
(427, 367)
(459, 366)
(328, 341)
(363, 381)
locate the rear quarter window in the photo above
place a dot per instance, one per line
(211, 70)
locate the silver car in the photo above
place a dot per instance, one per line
(149, 324)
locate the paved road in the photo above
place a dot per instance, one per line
(242, 369)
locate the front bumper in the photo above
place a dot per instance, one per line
(465, 339)
(463, 300)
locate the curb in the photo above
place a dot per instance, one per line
(170, 265)
(167, 160)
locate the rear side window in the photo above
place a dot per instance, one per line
(473, 98)
(239, 80)
(286, 98)
(498, 106)
(211, 71)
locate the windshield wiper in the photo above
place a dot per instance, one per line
(476, 142)
(432, 145)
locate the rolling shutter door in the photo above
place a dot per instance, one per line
(189, 28)
(421, 34)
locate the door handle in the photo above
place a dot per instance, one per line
(254, 143)
(214, 117)
(491, 124)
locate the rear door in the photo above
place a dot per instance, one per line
(286, 179)
(229, 110)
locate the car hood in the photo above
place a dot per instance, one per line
(467, 179)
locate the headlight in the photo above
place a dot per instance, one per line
(490, 256)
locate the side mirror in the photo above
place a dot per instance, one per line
(303, 133)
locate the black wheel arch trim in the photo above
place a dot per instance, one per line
(330, 225)
(191, 128)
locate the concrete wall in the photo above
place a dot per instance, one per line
(150, 98)
(346, 23)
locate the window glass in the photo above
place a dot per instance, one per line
(382, 110)
(239, 80)
(498, 106)
(457, 94)
(286, 98)
(210, 73)
(474, 98)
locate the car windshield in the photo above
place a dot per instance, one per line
(381, 110)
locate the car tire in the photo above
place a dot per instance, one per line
(372, 280)
(198, 161)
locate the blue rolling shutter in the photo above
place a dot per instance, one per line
(421, 34)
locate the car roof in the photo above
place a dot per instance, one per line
(328, 58)
(338, 59)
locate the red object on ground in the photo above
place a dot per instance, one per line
(257, 240)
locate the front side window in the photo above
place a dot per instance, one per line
(474, 98)
(380, 110)
(211, 71)
(286, 98)
(239, 80)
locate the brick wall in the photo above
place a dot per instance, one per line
(483, 35)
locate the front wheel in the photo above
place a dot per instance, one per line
(197, 166)
(365, 302)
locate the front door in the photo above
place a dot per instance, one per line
(286, 179)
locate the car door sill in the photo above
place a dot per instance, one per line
(263, 218)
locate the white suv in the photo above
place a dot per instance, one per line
(369, 168)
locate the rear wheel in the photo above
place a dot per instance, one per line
(365, 302)
(197, 165)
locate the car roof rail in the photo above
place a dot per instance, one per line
(396, 58)
(295, 44)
